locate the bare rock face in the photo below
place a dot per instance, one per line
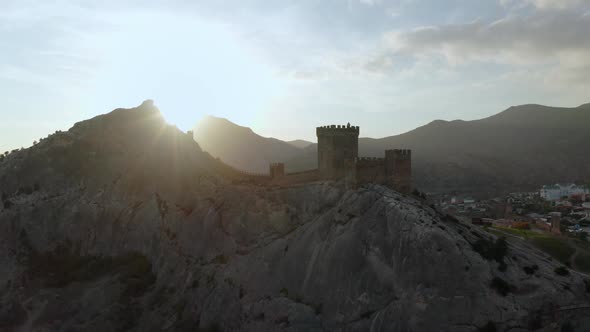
(144, 235)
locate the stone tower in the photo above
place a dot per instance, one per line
(277, 170)
(336, 144)
(398, 167)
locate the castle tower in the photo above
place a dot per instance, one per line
(398, 168)
(277, 170)
(336, 144)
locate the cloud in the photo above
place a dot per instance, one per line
(546, 4)
(547, 38)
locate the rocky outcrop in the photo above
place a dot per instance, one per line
(151, 238)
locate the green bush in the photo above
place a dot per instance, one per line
(284, 292)
(531, 269)
(492, 250)
(562, 271)
(62, 266)
(567, 327)
(501, 286)
(489, 327)
(220, 259)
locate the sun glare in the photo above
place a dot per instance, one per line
(190, 67)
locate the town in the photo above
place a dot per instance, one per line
(555, 219)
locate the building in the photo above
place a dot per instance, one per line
(338, 159)
(555, 222)
(558, 191)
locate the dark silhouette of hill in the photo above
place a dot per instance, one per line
(300, 143)
(123, 223)
(517, 149)
(240, 146)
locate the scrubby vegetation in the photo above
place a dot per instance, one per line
(492, 250)
(582, 262)
(63, 266)
(557, 247)
(501, 286)
(531, 269)
(489, 327)
(562, 271)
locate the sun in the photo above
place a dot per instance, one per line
(190, 67)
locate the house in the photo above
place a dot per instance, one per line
(557, 191)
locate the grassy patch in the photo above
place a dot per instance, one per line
(556, 247)
(516, 232)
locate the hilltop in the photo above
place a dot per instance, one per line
(520, 148)
(124, 223)
(240, 146)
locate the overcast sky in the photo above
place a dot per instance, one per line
(285, 67)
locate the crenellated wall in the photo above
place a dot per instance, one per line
(298, 178)
(371, 170)
(401, 160)
(277, 170)
(336, 143)
(337, 160)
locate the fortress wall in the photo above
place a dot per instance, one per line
(402, 169)
(336, 143)
(239, 176)
(298, 177)
(371, 170)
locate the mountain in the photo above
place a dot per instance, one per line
(240, 146)
(123, 223)
(299, 143)
(517, 149)
(520, 148)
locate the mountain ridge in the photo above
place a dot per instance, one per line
(519, 148)
(123, 223)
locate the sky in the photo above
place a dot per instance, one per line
(286, 67)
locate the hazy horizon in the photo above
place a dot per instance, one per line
(282, 68)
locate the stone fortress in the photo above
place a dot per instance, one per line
(338, 160)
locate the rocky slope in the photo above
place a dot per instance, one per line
(123, 224)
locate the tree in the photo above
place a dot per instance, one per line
(34, 142)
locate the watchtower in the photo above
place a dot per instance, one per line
(277, 170)
(398, 167)
(336, 144)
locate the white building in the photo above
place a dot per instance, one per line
(557, 191)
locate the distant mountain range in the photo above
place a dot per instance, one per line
(517, 149)
(300, 143)
(123, 223)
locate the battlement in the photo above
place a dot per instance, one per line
(370, 159)
(369, 162)
(400, 153)
(277, 170)
(338, 160)
(337, 130)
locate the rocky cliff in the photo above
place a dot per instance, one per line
(123, 223)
